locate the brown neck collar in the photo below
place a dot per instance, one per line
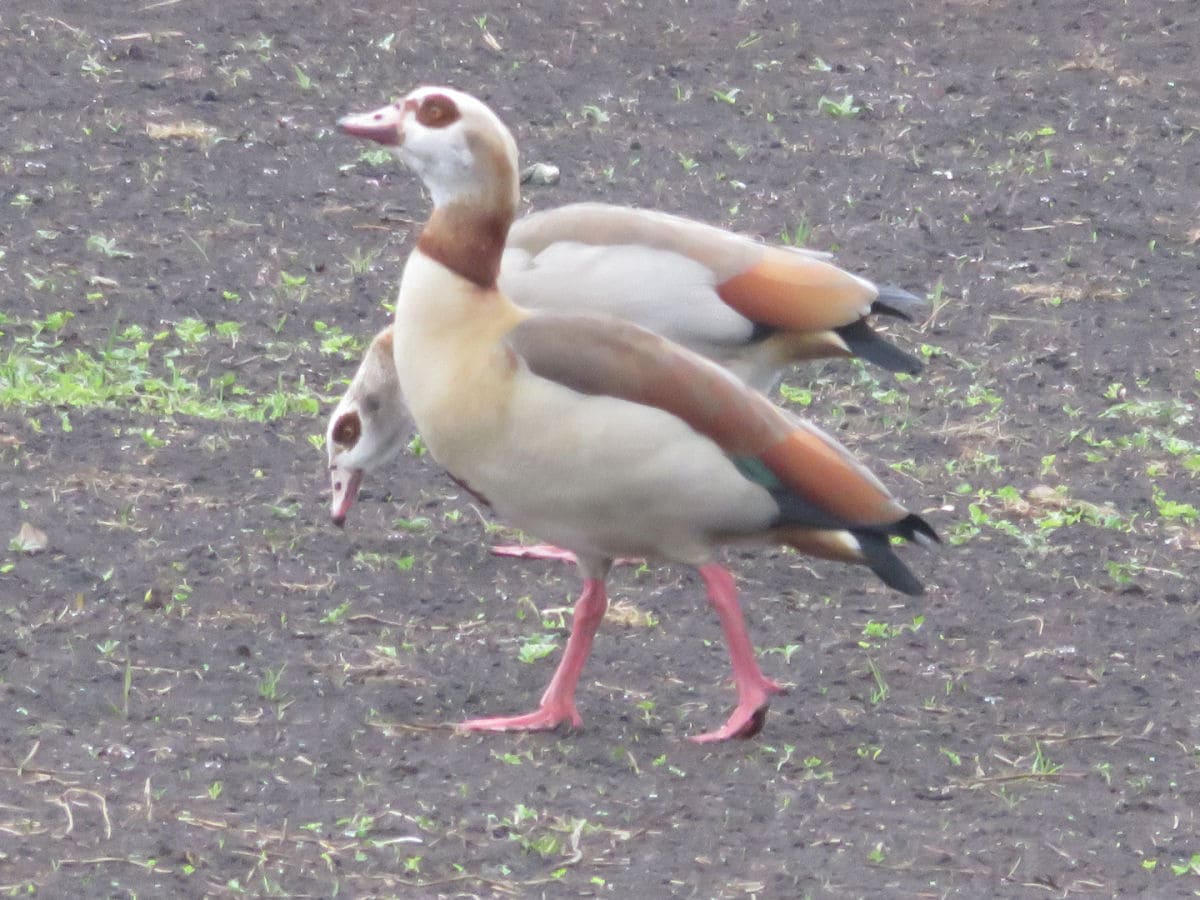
(467, 240)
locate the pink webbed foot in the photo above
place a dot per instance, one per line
(535, 551)
(747, 718)
(544, 718)
(558, 702)
(552, 553)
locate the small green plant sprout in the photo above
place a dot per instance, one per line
(215, 789)
(302, 79)
(874, 631)
(358, 825)
(292, 288)
(93, 67)
(108, 647)
(819, 65)
(180, 596)
(689, 163)
(787, 652)
(877, 633)
(229, 330)
(335, 341)
(522, 814)
(107, 246)
(512, 759)
(336, 615)
(646, 707)
(416, 524)
(795, 395)
(370, 559)
(661, 762)
(481, 22)
(41, 282)
(376, 157)
(360, 261)
(881, 690)
(877, 854)
(191, 330)
(739, 150)
(729, 96)
(1172, 509)
(268, 685)
(1188, 866)
(1122, 573)
(868, 751)
(839, 109)
(799, 234)
(1042, 765)
(785, 756)
(285, 510)
(537, 646)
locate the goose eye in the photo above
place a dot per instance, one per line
(348, 430)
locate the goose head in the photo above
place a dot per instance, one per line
(367, 427)
(453, 142)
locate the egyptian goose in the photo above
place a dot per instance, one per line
(753, 308)
(597, 434)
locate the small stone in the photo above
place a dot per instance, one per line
(540, 173)
(31, 539)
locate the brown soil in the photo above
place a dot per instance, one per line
(208, 690)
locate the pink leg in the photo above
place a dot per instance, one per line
(753, 688)
(558, 702)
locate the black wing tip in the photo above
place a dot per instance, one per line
(897, 302)
(867, 345)
(887, 566)
(882, 559)
(914, 528)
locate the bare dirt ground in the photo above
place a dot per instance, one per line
(209, 690)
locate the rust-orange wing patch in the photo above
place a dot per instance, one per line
(798, 293)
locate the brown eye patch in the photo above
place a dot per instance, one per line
(437, 111)
(347, 430)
